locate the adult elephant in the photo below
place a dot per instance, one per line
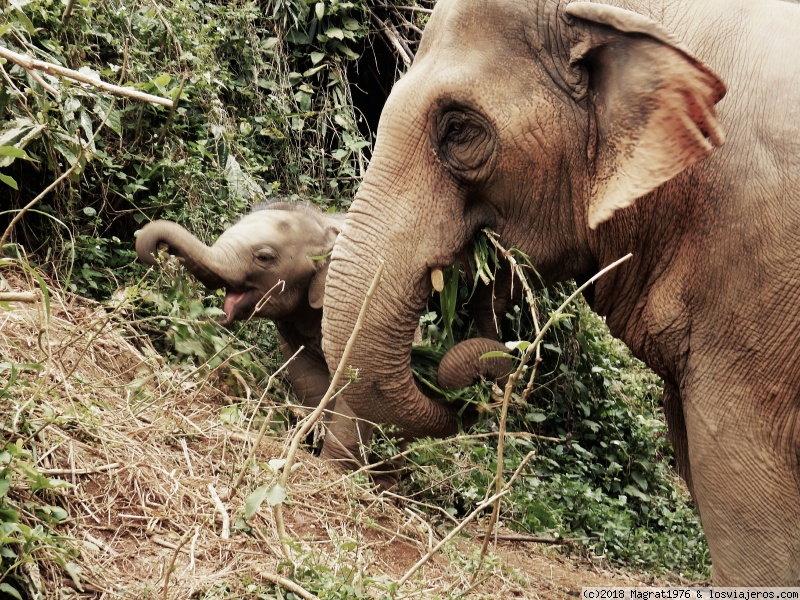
(580, 132)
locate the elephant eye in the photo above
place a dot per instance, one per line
(466, 142)
(266, 256)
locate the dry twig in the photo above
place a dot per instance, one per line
(29, 63)
(309, 421)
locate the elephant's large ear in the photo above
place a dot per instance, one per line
(651, 105)
(316, 290)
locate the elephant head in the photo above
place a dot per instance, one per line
(280, 250)
(272, 263)
(535, 120)
(580, 132)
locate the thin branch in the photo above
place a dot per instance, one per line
(28, 297)
(226, 520)
(529, 539)
(512, 382)
(171, 566)
(86, 471)
(311, 419)
(289, 585)
(28, 63)
(415, 9)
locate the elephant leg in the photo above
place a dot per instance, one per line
(347, 442)
(310, 378)
(744, 473)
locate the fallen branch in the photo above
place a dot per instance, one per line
(28, 297)
(289, 585)
(226, 520)
(86, 471)
(29, 64)
(530, 539)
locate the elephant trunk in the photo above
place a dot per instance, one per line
(463, 364)
(384, 391)
(194, 254)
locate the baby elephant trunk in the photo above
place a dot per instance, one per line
(177, 241)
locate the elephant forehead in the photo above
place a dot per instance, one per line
(264, 227)
(477, 26)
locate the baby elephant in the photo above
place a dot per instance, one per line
(272, 263)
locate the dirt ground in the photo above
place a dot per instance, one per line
(158, 484)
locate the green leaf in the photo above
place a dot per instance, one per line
(629, 489)
(23, 20)
(18, 133)
(86, 125)
(640, 480)
(345, 50)
(272, 493)
(4, 587)
(319, 10)
(13, 152)
(316, 57)
(350, 23)
(276, 495)
(495, 354)
(58, 513)
(89, 211)
(5, 485)
(535, 417)
(313, 70)
(276, 464)
(335, 32)
(9, 181)
(520, 345)
(74, 573)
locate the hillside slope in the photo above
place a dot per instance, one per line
(133, 453)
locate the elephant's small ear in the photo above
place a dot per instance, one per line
(316, 290)
(651, 105)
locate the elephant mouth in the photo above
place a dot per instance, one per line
(240, 304)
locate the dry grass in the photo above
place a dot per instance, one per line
(145, 453)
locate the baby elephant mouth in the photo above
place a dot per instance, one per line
(241, 304)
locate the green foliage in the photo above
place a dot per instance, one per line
(27, 520)
(263, 107)
(607, 484)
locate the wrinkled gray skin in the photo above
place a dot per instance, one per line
(580, 132)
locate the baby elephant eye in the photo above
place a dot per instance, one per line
(266, 256)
